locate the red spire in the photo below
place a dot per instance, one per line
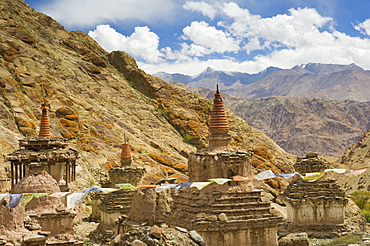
(126, 152)
(44, 125)
(126, 157)
(218, 122)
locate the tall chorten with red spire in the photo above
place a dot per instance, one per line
(250, 221)
(219, 160)
(218, 125)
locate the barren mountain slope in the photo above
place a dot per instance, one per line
(356, 157)
(96, 98)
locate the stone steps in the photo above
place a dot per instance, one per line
(239, 199)
(245, 205)
(247, 211)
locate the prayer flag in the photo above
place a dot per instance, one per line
(59, 194)
(92, 188)
(125, 186)
(241, 178)
(200, 185)
(286, 176)
(337, 170)
(14, 200)
(108, 190)
(311, 177)
(265, 175)
(2, 196)
(356, 172)
(75, 199)
(38, 195)
(26, 198)
(182, 185)
(164, 187)
(147, 186)
(220, 181)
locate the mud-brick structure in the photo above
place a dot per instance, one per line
(107, 208)
(53, 152)
(317, 208)
(118, 203)
(229, 214)
(125, 172)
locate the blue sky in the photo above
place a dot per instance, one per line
(183, 36)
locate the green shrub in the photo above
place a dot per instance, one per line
(361, 198)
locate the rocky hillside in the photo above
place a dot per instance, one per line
(316, 80)
(302, 125)
(97, 97)
(357, 157)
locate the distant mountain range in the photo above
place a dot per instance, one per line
(316, 80)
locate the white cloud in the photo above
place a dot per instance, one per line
(208, 36)
(141, 44)
(363, 27)
(205, 8)
(88, 13)
(185, 53)
(299, 36)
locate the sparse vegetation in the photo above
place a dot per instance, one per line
(163, 111)
(185, 135)
(343, 240)
(361, 198)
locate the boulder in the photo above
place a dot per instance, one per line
(294, 239)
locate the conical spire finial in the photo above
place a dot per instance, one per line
(218, 122)
(218, 125)
(44, 125)
(126, 157)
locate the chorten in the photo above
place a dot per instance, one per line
(108, 207)
(228, 214)
(219, 160)
(315, 207)
(41, 166)
(44, 152)
(218, 124)
(125, 172)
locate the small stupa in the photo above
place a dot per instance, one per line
(108, 207)
(125, 172)
(51, 154)
(317, 208)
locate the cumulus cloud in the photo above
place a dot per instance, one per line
(88, 13)
(208, 36)
(299, 36)
(141, 44)
(205, 8)
(363, 27)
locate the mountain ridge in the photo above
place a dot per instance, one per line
(317, 80)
